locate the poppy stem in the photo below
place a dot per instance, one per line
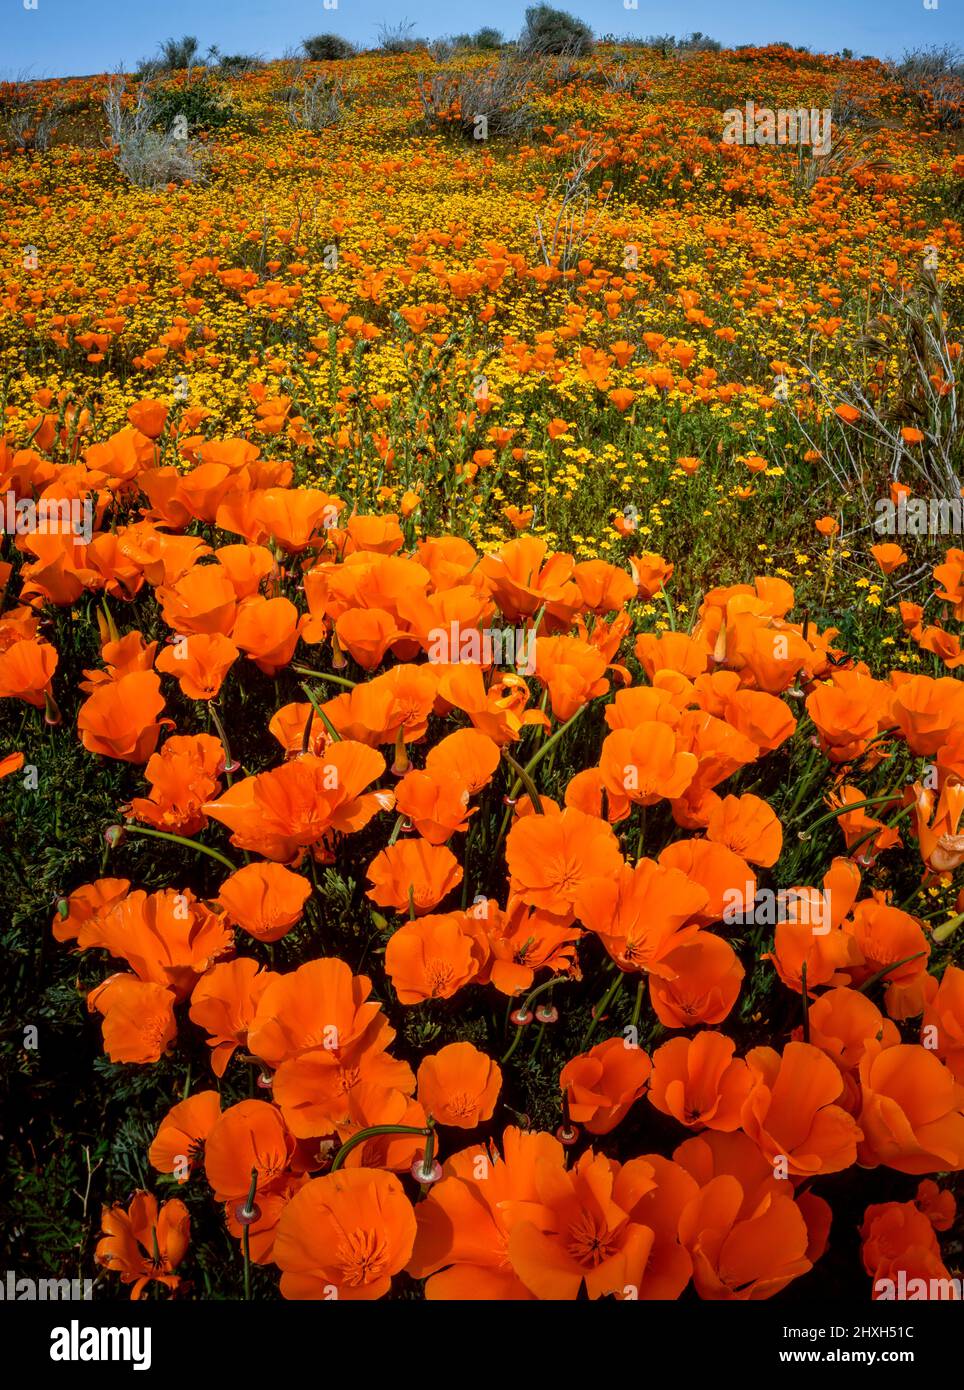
(428, 1156)
(670, 612)
(537, 756)
(524, 1009)
(324, 676)
(181, 840)
(880, 974)
(373, 1132)
(638, 1006)
(844, 810)
(526, 781)
(601, 1008)
(230, 766)
(806, 1002)
(336, 736)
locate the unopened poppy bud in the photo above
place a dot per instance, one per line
(338, 659)
(424, 1174)
(52, 715)
(62, 906)
(247, 1215)
(114, 836)
(547, 1013)
(567, 1135)
(521, 1017)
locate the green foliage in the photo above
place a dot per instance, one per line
(548, 30)
(327, 48)
(200, 104)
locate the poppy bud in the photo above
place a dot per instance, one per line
(52, 715)
(547, 1013)
(62, 906)
(114, 836)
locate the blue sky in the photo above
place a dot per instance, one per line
(72, 37)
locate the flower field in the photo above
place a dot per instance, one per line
(481, 717)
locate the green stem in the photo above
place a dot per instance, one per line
(181, 840)
(845, 810)
(887, 969)
(324, 676)
(526, 781)
(601, 1008)
(373, 1132)
(336, 736)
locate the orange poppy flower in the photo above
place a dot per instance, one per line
(702, 982)
(433, 957)
(145, 1243)
(858, 825)
(579, 1235)
(436, 803)
(202, 600)
(248, 1137)
(413, 874)
(650, 573)
(523, 577)
(749, 827)
(939, 836)
(344, 1236)
(551, 857)
(461, 1245)
(843, 1023)
(603, 1083)
(747, 1240)
(885, 937)
(938, 1206)
(522, 940)
(346, 1089)
(927, 711)
(943, 1024)
(699, 1081)
(812, 933)
(790, 1113)
(604, 588)
(85, 907)
(459, 1085)
(168, 938)
(912, 1116)
(119, 720)
(224, 1002)
(321, 1004)
(183, 776)
(265, 899)
(640, 913)
(26, 671)
(572, 671)
(467, 753)
(138, 1016)
(727, 880)
(889, 557)
(178, 1145)
(899, 1245)
(267, 630)
(294, 808)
